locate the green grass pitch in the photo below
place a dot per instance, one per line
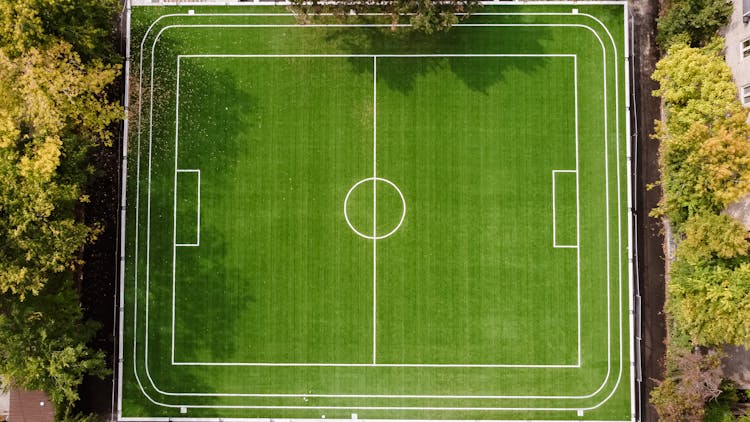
(338, 220)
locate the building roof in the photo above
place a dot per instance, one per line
(30, 406)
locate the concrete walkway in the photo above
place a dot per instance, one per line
(736, 365)
(4, 402)
(4, 406)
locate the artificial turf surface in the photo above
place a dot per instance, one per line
(253, 285)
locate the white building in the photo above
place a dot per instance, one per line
(738, 48)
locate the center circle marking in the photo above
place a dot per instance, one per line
(374, 180)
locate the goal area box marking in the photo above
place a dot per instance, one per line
(187, 207)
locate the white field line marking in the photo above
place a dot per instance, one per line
(174, 194)
(380, 56)
(147, 272)
(174, 206)
(431, 408)
(377, 238)
(619, 231)
(375, 211)
(176, 245)
(400, 223)
(197, 208)
(502, 365)
(554, 212)
(578, 209)
(394, 230)
(135, 307)
(354, 365)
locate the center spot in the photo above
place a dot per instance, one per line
(374, 208)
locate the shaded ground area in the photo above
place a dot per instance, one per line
(650, 260)
(98, 285)
(99, 277)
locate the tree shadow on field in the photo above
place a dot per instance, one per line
(457, 41)
(211, 101)
(214, 111)
(214, 108)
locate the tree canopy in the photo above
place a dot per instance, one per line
(704, 153)
(705, 166)
(696, 86)
(85, 24)
(711, 303)
(54, 110)
(692, 21)
(694, 379)
(427, 16)
(44, 342)
(709, 237)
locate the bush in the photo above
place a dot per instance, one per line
(708, 237)
(711, 303)
(694, 21)
(704, 155)
(693, 379)
(718, 412)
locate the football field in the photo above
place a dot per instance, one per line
(338, 220)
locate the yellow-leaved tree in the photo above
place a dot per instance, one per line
(53, 106)
(705, 150)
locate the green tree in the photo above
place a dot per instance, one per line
(43, 342)
(427, 16)
(694, 21)
(85, 24)
(720, 409)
